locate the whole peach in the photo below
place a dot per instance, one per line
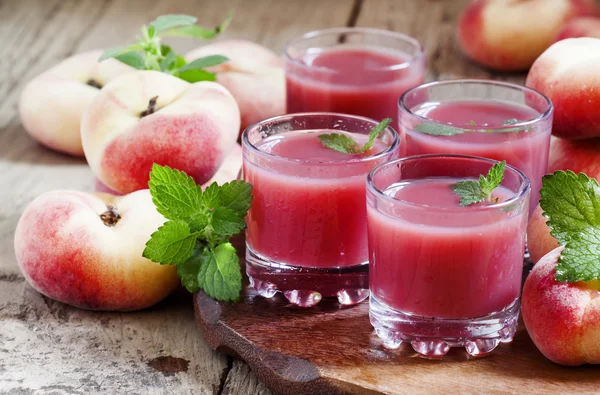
(85, 250)
(563, 319)
(228, 171)
(585, 26)
(539, 239)
(509, 35)
(254, 75)
(568, 74)
(580, 156)
(148, 117)
(51, 104)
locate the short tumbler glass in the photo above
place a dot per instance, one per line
(496, 120)
(307, 230)
(359, 71)
(443, 275)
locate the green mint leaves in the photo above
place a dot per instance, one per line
(571, 202)
(471, 192)
(150, 54)
(196, 236)
(447, 130)
(345, 144)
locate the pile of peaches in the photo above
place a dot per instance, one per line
(123, 120)
(85, 249)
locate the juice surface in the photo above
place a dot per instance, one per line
(358, 81)
(444, 260)
(526, 150)
(310, 219)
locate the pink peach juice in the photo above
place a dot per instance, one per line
(456, 264)
(307, 230)
(490, 127)
(442, 274)
(310, 217)
(351, 78)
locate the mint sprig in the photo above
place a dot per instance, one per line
(447, 130)
(150, 54)
(472, 192)
(571, 202)
(196, 236)
(345, 144)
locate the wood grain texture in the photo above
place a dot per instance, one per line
(50, 348)
(333, 350)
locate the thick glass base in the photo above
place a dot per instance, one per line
(432, 337)
(305, 287)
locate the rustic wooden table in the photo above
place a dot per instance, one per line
(50, 348)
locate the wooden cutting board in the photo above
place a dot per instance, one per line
(332, 350)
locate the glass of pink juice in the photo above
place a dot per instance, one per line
(496, 120)
(357, 71)
(444, 275)
(307, 230)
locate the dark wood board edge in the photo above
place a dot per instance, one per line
(283, 374)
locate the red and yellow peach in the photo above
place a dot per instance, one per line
(562, 319)
(509, 35)
(585, 26)
(254, 75)
(579, 156)
(86, 250)
(150, 117)
(568, 74)
(52, 103)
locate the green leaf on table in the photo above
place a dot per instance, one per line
(237, 196)
(195, 237)
(227, 222)
(171, 244)
(571, 202)
(220, 275)
(175, 195)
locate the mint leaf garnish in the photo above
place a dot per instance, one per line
(195, 238)
(345, 144)
(171, 244)
(438, 130)
(471, 192)
(150, 54)
(447, 130)
(339, 142)
(571, 202)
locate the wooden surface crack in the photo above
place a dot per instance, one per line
(224, 375)
(354, 13)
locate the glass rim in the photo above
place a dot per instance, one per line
(542, 116)
(419, 49)
(394, 144)
(524, 187)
